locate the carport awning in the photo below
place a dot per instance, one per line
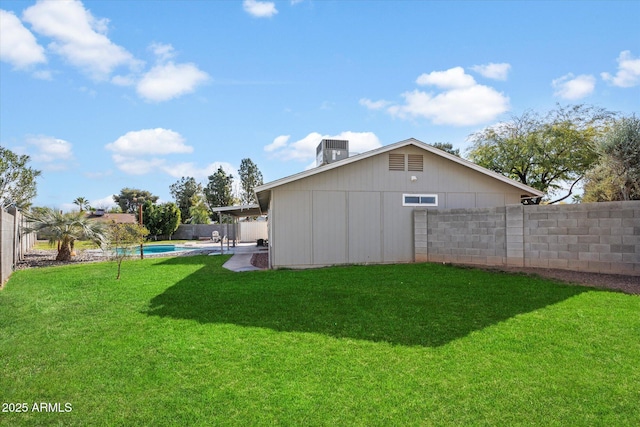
(239, 211)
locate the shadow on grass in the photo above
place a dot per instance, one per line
(408, 304)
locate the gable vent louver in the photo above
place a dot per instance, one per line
(396, 162)
(415, 163)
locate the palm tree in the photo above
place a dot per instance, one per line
(66, 228)
(82, 202)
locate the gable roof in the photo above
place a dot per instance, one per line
(263, 192)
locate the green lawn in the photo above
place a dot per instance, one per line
(181, 341)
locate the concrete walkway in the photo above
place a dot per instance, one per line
(241, 259)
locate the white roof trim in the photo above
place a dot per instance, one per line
(383, 149)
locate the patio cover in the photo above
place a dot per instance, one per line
(239, 211)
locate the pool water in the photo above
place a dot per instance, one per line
(158, 249)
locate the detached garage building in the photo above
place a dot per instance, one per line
(356, 210)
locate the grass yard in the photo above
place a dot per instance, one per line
(181, 341)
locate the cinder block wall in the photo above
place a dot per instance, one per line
(7, 243)
(466, 236)
(594, 237)
(13, 245)
(195, 231)
(597, 237)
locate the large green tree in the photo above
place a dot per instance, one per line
(219, 191)
(616, 176)
(66, 228)
(130, 199)
(250, 178)
(17, 180)
(199, 212)
(161, 219)
(549, 152)
(186, 193)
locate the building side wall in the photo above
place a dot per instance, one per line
(329, 230)
(455, 184)
(292, 232)
(365, 230)
(592, 237)
(354, 214)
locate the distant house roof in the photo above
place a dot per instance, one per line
(118, 218)
(263, 192)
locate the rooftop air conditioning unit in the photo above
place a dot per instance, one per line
(331, 150)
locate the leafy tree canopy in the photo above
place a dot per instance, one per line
(161, 219)
(198, 212)
(17, 180)
(545, 152)
(250, 178)
(130, 199)
(616, 176)
(218, 191)
(186, 192)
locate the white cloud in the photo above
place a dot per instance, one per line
(200, 174)
(52, 151)
(453, 78)
(149, 142)
(43, 75)
(98, 174)
(374, 105)
(167, 81)
(119, 80)
(277, 143)
(304, 149)
(137, 166)
(162, 51)
(259, 9)
(18, 46)
(462, 103)
(103, 203)
(493, 71)
(628, 74)
(574, 87)
(78, 37)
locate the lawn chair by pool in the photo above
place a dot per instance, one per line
(215, 236)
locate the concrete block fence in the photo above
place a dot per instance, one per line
(13, 243)
(593, 237)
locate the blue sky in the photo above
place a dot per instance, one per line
(110, 94)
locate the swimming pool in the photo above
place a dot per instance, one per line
(158, 249)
